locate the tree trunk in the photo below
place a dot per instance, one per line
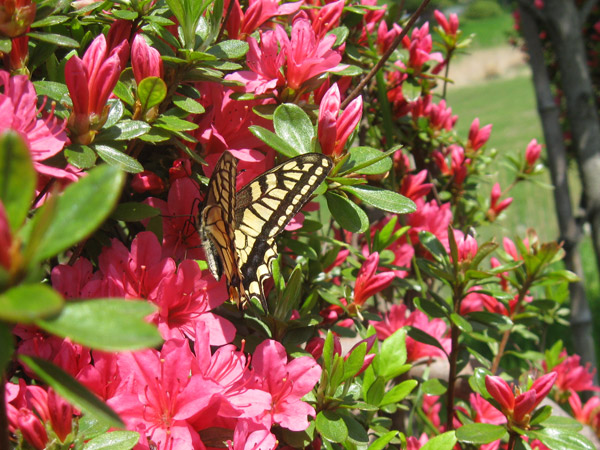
(564, 29)
(581, 319)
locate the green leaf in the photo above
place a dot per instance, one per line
(431, 243)
(444, 441)
(90, 427)
(5, 44)
(81, 209)
(124, 14)
(356, 431)
(273, 141)
(115, 440)
(354, 361)
(560, 439)
(392, 355)
(56, 39)
(398, 392)
(28, 302)
(105, 324)
(151, 91)
(133, 212)
(55, 91)
(292, 124)
(366, 161)
(188, 105)
(331, 426)
(480, 433)
(7, 346)
(49, 21)
(563, 423)
(232, 49)
(381, 442)
(125, 130)
(17, 178)
(462, 324)
(376, 391)
(434, 386)
(431, 308)
(81, 156)
(347, 214)
(118, 159)
(71, 390)
(173, 123)
(382, 198)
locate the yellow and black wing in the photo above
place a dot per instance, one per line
(263, 209)
(217, 225)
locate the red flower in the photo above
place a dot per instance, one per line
(478, 136)
(532, 154)
(572, 375)
(145, 60)
(335, 128)
(368, 283)
(518, 409)
(497, 207)
(450, 27)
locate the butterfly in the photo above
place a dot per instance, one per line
(238, 230)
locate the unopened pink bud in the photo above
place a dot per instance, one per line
(532, 153)
(145, 60)
(61, 415)
(501, 392)
(32, 429)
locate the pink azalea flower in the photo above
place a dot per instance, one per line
(147, 181)
(430, 217)
(466, 245)
(334, 128)
(45, 136)
(497, 207)
(327, 17)
(476, 301)
(145, 60)
(441, 117)
(412, 443)
(518, 409)
(399, 317)
(484, 411)
(250, 436)
(102, 377)
(571, 375)
(588, 414)
(478, 136)
(414, 187)
(242, 23)
(159, 399)
(286, 382)
(368, 283)
(180, 236)
(264, 61)
(385, 37)
(71, 280)
(450, 27)
(419, 46)
(308, 56)
(183, 300)
(90, 82)
(532, 154)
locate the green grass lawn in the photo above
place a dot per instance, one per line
(509, 104)
(488, 32)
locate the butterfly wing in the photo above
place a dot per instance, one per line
(217, 225)
(263, 209)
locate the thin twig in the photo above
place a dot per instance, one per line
(222, 30)
(386, 55)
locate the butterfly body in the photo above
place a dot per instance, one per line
(239, 229)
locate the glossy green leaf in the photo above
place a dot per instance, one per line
(17, 177)
(381, 442)
(462, 324)
(366, 161)
(273, 141)
(105, 324)
(382, 198)
(81, 156)
(480, 433)
(356, 431)
(151, 91)
(7, 346)
(49, 21)
(134, 212)
(71, 390)
(231, 49)
(125, 130)
(431, 243)
(189, 105)
(562, 423)
(81, 208)
(118, 159)
(124, 14)
(354, 361)
(444, 441)
(560, 439)
(347, 213)
(398, 392)
(56, 39)
(90, 427)
(51, 89)
(431, 308)
(292, 124)
(28, 302)
(173, 123)
(115, 440)
(376, 391)
(392, 355)
(331, 426)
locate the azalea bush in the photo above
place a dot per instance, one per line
(389, 324)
